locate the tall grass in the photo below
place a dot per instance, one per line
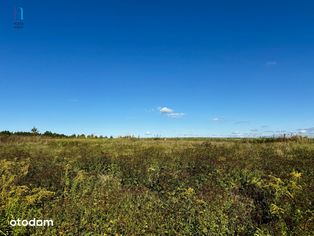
(157, 187)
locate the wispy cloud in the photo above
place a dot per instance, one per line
(216, 119)
(176, 115)
(306, 131)
(171, 113)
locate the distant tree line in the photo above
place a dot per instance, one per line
(35, 132)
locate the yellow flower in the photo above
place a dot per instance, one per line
(296, 174)
(189, 191)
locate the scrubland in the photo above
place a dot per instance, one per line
(157, 187)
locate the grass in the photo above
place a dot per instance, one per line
(157, 187)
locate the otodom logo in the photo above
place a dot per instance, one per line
(18, 18)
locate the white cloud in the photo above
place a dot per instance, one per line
(166, 110)
(219, 120)
(216, 119)
(170, 112)
(148, 133)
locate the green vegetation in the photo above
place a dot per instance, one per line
(132, 186)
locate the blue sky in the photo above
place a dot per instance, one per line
(168, 68)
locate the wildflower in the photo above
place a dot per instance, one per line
(296, 174)
(189, 192)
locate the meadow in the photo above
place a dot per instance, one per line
(131, 186)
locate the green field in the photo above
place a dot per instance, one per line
(135, 186)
